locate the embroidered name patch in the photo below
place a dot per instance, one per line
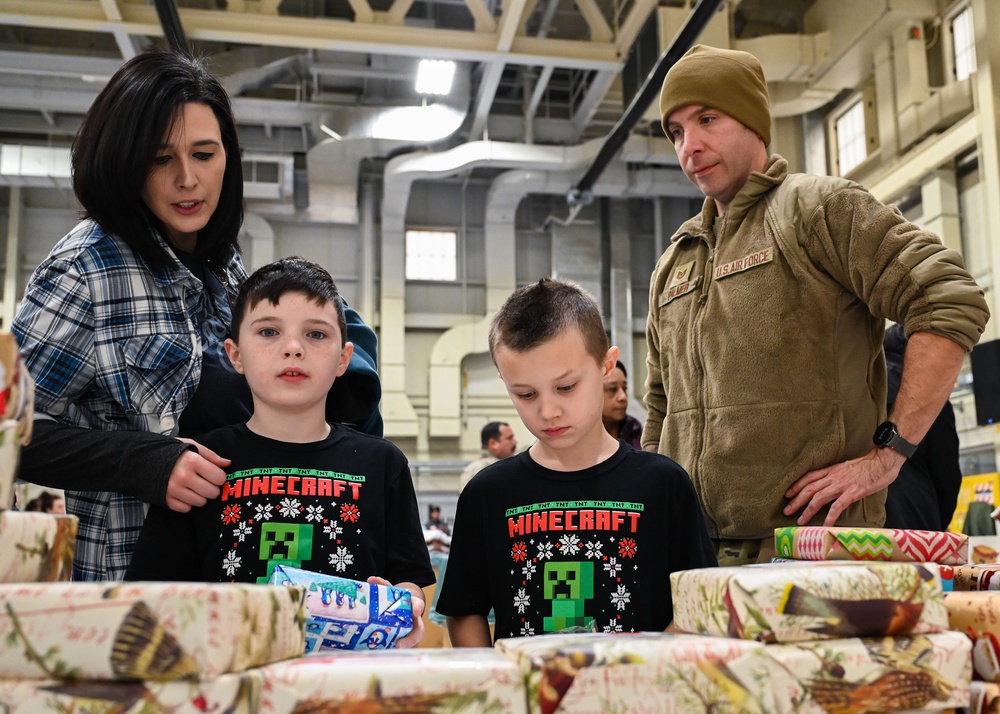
(745, 263)
(678, 290)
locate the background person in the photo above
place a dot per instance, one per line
(498, 442)
(766, 375)
(618, 423)
(122, 326)
(924, 495)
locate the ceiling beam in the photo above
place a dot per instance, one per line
(321, 34)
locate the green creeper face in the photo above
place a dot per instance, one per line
(569, 581)
(286, 541)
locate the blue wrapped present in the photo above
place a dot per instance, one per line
(349, 614)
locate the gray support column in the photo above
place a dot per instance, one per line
(13, 250)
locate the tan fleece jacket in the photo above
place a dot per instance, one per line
(765, 341)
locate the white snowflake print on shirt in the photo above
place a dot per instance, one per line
(613, 567)
(528, 570)
(544, 550)
(289, 507)
(264, 511)
(594, 549)
(333, 530)
(242, 530)
(570, 544)
(621, 597)
(527, 630)
(613, 626)
(231, 563)
(314, 513)
(341, 559)
(521, 600)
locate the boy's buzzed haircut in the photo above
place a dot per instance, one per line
(538, 312)
(289, 275)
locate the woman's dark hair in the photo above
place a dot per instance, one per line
(620, 366)
(120, 136)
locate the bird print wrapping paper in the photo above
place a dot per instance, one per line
(414, 681)
(146, 631)
(801, 602)
(592, 673)
(225, 694)
(36, 547)
(883, 544)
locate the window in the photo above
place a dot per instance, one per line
(430, 255)
(850, 128)
(964, 44)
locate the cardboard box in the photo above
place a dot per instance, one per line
(145, 631)
(803, 601)
(886, 544)
(349, 614)
(36, 547)
(463, 681)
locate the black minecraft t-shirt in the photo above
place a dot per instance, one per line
(552, 550)
(343, 506)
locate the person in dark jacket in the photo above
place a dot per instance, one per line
(924, 494)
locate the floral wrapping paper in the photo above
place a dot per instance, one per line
(229, 693)
(349, 614)
(145, 631)
(17, 392)
(891, 544)
(685, 674)
(36, 547)
(801, 602)
(977, 614)
(442, 681)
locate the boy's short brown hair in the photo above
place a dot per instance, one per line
(538, 312)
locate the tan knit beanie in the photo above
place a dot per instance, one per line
(728, 80)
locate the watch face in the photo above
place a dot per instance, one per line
(884, 433)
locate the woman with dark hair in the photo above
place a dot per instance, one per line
(122, 326)
(617, 423)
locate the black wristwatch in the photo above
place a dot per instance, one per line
(886, 436)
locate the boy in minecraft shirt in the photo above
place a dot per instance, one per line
(299, 491)
(580, 530)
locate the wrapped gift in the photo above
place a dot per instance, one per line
(145, 631)
(683, 674)
(225, 693)
(464, 680)
(349, 614)
(802, 601)
(967, 578)
(984, 698)
(36, 547)
(977, 614)
(16, 413)
(894, 544)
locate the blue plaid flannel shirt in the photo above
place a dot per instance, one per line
(112, 343)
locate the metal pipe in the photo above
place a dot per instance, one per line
(682, 42)
(173, 31)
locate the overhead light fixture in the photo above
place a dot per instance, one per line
(435, 76)
(330, 132)
(418, 124)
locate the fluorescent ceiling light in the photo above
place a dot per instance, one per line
(431, 123)
(435, 76)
